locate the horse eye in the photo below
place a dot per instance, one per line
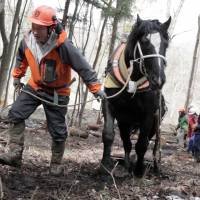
(144, 39)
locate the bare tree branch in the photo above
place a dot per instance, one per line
(2, 24)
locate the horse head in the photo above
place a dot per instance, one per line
(146, 47)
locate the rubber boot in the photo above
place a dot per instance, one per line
(56, 167)
(13, 156)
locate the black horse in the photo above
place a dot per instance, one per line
(135, 98)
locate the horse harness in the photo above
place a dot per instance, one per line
(121, 75)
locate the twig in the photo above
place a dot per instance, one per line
(111, 174)
(101, 197)
(34, 193)
(140, 180)
(1, 189)
(73, 182)
(149, 165)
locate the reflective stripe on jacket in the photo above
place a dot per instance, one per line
(65, 55)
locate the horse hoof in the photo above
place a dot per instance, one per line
(138, 175)
(106, 166)
(156, 171)
(121, 172)
(102, 171)
(139, 172)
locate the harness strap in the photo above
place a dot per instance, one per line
(45, 87)
(66, 85)
(115, 63)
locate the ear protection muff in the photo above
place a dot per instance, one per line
(57, 26)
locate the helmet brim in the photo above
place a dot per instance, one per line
(35, 21)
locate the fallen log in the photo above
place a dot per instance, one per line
(73, 131)
(96, 134)
(94, 127)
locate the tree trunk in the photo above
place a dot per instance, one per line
(88, 32)
(71, 123)
(84, 27)
(14, 55)
(8, 51)
(94, 63)
(65, 13)
(194, 65)
(100, 42)
(114, 28)
(175, 17)
(80, 117)
(72, 24)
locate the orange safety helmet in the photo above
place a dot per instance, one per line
(44, 15)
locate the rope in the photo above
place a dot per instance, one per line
(124, 86)
(15, 94)
(19, 89)
(54, 104)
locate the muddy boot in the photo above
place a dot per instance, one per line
(56, 167)
(13, 156)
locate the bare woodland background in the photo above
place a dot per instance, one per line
(96, 27)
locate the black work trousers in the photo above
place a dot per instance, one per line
(26, 104)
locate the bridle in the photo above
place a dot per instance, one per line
(142, 57)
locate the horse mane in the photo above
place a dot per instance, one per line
(141, 28)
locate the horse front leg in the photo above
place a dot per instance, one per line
(141, 147)
(125, 136)
(156, 149)
(107, 137)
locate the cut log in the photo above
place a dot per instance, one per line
(94, 127)
(73, 131)
(96, 134)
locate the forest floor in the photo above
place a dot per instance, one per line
(180, 177)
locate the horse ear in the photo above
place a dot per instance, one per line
(166, 24)
(138, 19)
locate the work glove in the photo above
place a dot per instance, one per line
(17, 83)
(100, 95)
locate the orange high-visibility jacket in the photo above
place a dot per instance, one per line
(65, 55)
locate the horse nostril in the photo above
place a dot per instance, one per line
(154, 80)
(157, 82)
(160, 81)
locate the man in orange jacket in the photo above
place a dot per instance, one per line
(50, 56)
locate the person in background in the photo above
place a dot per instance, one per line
(192, 120)
(50, 56)
(194, 142)
(182, 127)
